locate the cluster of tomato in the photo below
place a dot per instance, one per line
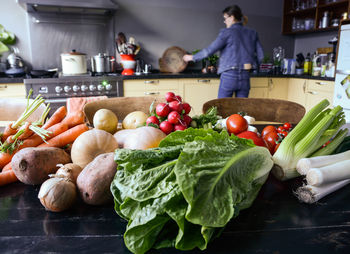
(273, 136)
(172, 115)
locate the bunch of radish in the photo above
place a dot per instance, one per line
(172, 115)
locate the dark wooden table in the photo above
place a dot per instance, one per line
(275, 223)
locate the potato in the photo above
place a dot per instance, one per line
(33, 165)
(134, 120)
(95, 180)
(105, 119)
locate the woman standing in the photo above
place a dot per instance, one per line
(240, 51)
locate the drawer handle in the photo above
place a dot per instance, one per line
(151, 93)
(204, 80)
(321, 83)
(312, 92)
(151, 81)
(3, 86)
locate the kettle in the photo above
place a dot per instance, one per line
(102, 63)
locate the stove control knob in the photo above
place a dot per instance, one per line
(76, 88)
(67, 88)
(100, 87)
(92, 88)
(108, 87)
(58, 89)
(84, 88)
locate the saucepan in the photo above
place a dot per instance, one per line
(73, 63)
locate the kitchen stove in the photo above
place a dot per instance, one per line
(56, 90)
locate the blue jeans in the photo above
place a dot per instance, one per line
(234, 81)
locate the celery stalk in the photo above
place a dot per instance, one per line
(284, 158)
(328, 149)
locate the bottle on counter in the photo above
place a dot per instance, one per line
(307, 64)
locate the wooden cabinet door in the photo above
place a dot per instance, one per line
(144, 87)
(297, 90)
(199, 91)
(12, 90)
(258, 88)
(317, 90)
(278, 88)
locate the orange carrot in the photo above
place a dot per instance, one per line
(75, 118)
(27, 132)
(66, 137)
(33, 141)
(7, 177)
(7, 167)
(8, 132)
(56, 117)
(5, 158)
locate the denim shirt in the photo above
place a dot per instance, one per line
(238, 45)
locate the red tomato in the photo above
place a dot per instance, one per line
(170, 96)
(267, 129)
(259, 141)
(280, 129)
(284, 133)
(271, 138)
(162, 109)
(152, 119)
(287, 126)
(166, 127)
(176, 106)
(174, 117)
(236, 124)
(186, 107)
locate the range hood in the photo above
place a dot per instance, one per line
(92, 7)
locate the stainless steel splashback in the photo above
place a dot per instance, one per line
(53, 33)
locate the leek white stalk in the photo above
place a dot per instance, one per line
(304, 164)
(330, 173)
(311, 194)
(305, 138)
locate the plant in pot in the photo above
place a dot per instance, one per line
(6, 38)
(209, 64)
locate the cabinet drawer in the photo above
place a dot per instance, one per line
(161, 84)
(321, 85)
(259, 82)
(15, 90)
(200, 81)
(134, 85)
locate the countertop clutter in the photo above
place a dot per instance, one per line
(276, 223)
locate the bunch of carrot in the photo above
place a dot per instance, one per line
(61, 129)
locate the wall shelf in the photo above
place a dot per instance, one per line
(306, 21)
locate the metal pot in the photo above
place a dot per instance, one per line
(102, 63)
(73, 63)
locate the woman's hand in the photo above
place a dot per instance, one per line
(187, 58)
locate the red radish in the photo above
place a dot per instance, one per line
(174, 117)
(152, 119)
(178, 98)
(186, 107)
(166, 127)
(176, 106)
(170, 96)
(162, 109)
(187, 120)
(179, 127)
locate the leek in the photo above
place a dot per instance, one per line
(317, 127)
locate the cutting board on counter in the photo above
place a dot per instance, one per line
(171, 60)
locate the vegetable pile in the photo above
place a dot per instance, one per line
(307, 139)
(184, 192)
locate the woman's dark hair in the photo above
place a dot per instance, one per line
(235, 11)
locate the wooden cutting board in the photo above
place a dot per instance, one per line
(171, 61)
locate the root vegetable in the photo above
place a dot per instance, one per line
(311, 194)
(94, 181)
(33, 165)
(57, 194)
(134, 120)
(70, 171)
(304, 164)
(330, 173)
(105, 119)
(90, 144)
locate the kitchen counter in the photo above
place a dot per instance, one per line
(275, 223)
(188, 74)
